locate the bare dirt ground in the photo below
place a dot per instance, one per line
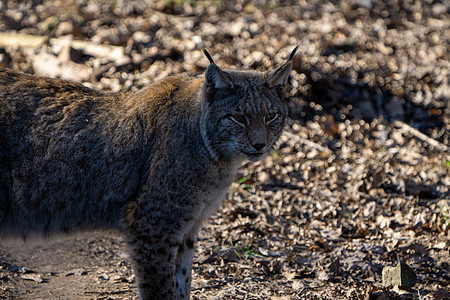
(360, 180)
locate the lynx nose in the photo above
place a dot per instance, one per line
(258, 138)
(259, 146)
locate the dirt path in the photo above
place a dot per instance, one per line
(83, 266)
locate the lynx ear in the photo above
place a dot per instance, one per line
(279, 76)
(215, 77)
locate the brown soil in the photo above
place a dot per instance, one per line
(359, 181)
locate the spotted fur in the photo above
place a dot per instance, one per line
(154, 164)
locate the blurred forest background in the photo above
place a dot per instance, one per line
(359, 182)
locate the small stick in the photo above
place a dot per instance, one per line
(305, 142)
(421, 136)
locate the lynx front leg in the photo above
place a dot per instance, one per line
(183, 267)
(153, 247)
(154, 266)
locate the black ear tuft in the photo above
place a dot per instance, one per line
(208, 56)
(291, 56)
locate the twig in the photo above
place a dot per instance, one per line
(208, 287)
(423, 137)
(305, 141)
(281, 185)
(109, 293)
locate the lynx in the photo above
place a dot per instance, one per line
(154, 164)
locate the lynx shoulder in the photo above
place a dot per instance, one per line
(154, 164)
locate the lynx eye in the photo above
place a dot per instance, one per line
(270, 117)
(238, 119)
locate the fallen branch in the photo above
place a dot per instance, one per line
(114, 53)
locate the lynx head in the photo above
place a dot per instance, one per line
(243, 112)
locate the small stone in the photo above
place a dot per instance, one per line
(401, 275)
(230, 256)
